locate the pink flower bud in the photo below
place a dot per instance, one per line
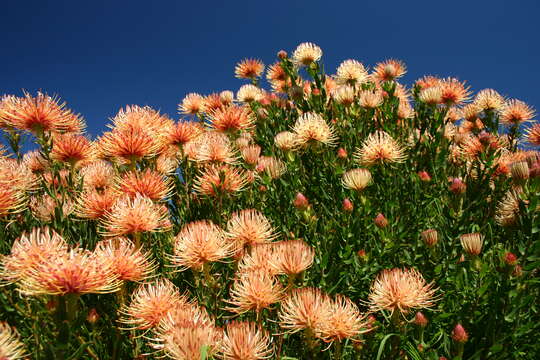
(510, 259)
(92, 316)
(316, 92)
(342, 153)
(347, 205)
(518, 271)
(459, 334)
(420, 319)
(381, 221)
(430, 237)
(361, 253)
(457, 186)
(424, 176)
(282, 54)
(301, 202)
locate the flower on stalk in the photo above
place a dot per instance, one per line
(17, 175)
(286, 140)
(45, 207)
(39, 114)
(472, 243)
(347, 205)
(35, 162)
(211, 146)
(249, 93)
(192, 104)
(311, 127)
(94, 205)
(291, 257)
(430, 237)
(245, 341)
(12, 200)
(272, 166)
(218, 179)
(459, 334)
(431, 95)
(135, 216)
(227, 97)
(351, 72)
(344, 321)
(232, 118)
(401, 290)
(420, 319)
(28, 251)
(489, 99)
(128, 144)
(254, 290)
(516, 112)
(380, 148)
(183, 132)
(11, 347)
(249, 227)
(98, 175)
(258, 258)
(150, 303)
(198, 243)
(507, 210)
(148, 183)
(453, 91)
(519, 170)
(249, 69)
(380, 221)
(344, 94)
(356, 179)
(75, 272)
(251, 153)
(306, 53)
(371, 99)
(304, 308)
(128, 262)
(389, 70)
(533, 135)
(72, 148)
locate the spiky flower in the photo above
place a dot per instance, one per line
(533, 135)
(356, 179)
(216, 179)
(248, 227)
(454, 92)
(311, 127)
(211, 146)
(128, 262)
(249, 69)
(380, 148)
(93, 205)
(515, 112)
(12, 200)
(402, 290)
(286, 140)
(507, 211)
(128, 144)
(75, 272)
(183, 132)
(259, 258)
(254, 290)
(11, 347)
(431, 95)
(192, 104)
(251, 153)
(97, 175)
(148, 183)
(245, 341)
(472, 243)
(371, 99)
(344, 94)
(389, 70)
(306, 53)
(291, 257)
(351, 72)
(272, 166)
(249, 93)
(133, 216)
(198, 243)
(232, 118)
(489, 99)
(304, 308)
(344, 321)
(72, 148)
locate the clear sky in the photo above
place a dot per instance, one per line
(101, 55)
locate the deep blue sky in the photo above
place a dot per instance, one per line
(102, 55)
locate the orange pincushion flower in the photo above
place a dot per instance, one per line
(271, 166)
(389, 70)
(472, 243)
(454, 92)
(351, 72)
(249, 227)
(515, 112)
(128, 144)
(380, 147)
(94, 205)
(98, 175)
(148, 183)
(211, 146)
(427, 82)
(254, 290)
(30, 250)
(344, 94)
(249, 69)
(35, 162)
(306, 53)
(11, 347)
(183, 132)
(343, 322)
(226, 97)
(251, 153)
(533, 135)
(232, 118)
(248, 93)
(192, 104)
(128, 262)
(72, 148)
(507, 211)
(76, 272)
(356, 179)
(38, 114)
(219, 179)
(304, 308)
(402, 290)
(292, 257)
(275, 73)
(371, 99)
(45, 207)
(150, 304)
(258, 258)
(12, 200)
(133, 216)
(142, 118)
(16, 175)
(198, 243)
(286, 140)
(489, 99)
(311, 127)
(431, 95)
(245, 341)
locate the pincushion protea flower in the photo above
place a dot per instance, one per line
(72, 148)
(128, 144)
(11, 347)
(248, 227)
(97, 175)
(29, 250)
(183, 132)
(389, 70)
(344, 321)
(211, 146)
(371, 99)
(344, 94)
(251, 153)
(258, 258)
(402, 290)
(128, 262)
(454, 92)
(291, 257)
(133, 216)
(431, 95)
(356, 179)
(249, 69)
(94, 205)
(271, 166)
(351, 72)
(286, 140)
(75, 272)
(245, 340)
(380, 147)
(311, 127)
(148, 183)
(11, 200)
(231, 118)
(150, 304)
(16, 175)
(306, 53)
(304, 308)
(489, 99)
(515, 112)
(254, 290)
(35, 162)
(249, 93)
(198, 243)
(533, 135)
(38, 114)
(216, 179)
(472, 243)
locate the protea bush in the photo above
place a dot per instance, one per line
(307, 216)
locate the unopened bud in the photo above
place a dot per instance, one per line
(424, 176)
(361, 253)
(430, 237)
(51, 305)
(520, 170)
(342, 153)
(347, 205)
(282, 54)
(381, 221)
(457, 186)
(459, 334)
(518, 271)
(262, 188)
(510, 259)
(300, 202)
(316, 92)
(92, 316)
(420, 319)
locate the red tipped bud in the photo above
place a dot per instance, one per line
(430, 237)
(361, 253)
(316, 92)
(282, 54)
(300, 202)
(347, 205)
(342, 153)
(518, 271)
(457, 186)
(420, 319)
(424, 176)
(262, 188)
(510, 259)
(51, 305)
(92, 316)
(459, 334)
(381, 221)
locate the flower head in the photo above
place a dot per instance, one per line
(291, 257)
(97, 175)
(371, 99)
(272, 166)
(183, 132)
(148, 183)
(231, 118)
(389, 70)
(515, 112)
(453, 91)
(72, 148)
(489, 99)
(356, 179)
(351, 72)
(216, 179)
(93, 204)
(254, 290)
(304, 308)
(344, 321)
(128, 262)
(380, 147)
(192, 104)
(286, 140)
(311, 127)
(472, 243)
(306, 53)
(248, 227)
(249, 69)
(11, 347)
(245, 341)
(249, 93)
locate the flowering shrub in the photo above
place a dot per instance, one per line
(343, 216)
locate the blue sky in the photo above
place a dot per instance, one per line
(101, 55)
